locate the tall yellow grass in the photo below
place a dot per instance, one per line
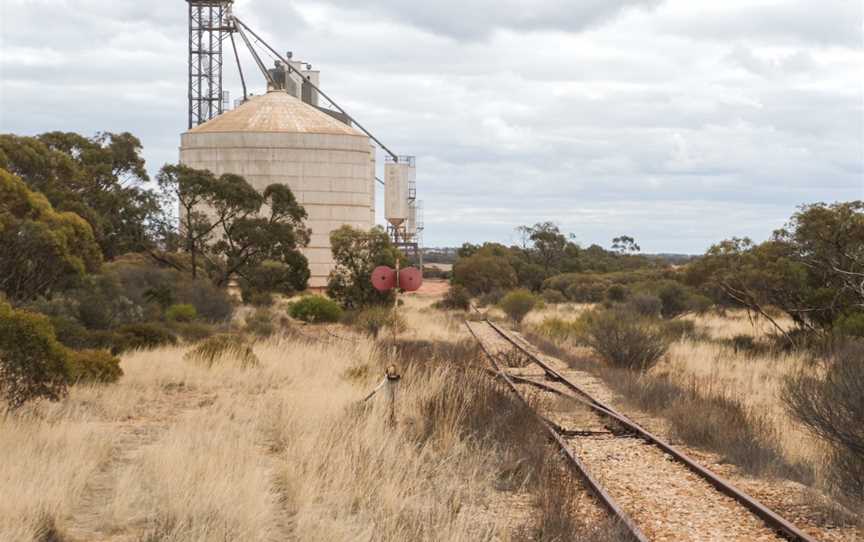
(181, 452)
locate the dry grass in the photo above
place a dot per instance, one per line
(754, 380)
(183, 451)
(703, 380)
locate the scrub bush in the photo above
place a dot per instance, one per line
(142, 337)
(93, 366)
(456, 298)
(627, 340)
(33, 364)
(517, 304)
(315, 309)
(832, 407)
(183, 312)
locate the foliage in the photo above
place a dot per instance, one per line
(590, 290)
(553, 297)
(32, 363)
(850, 325)
(260, 323)
(483, 273)
(277, 277)
(71, 333)
(192, 331)
(257, 298)
(221, 220)
(142, 337)
(548, 259)
(625, 244)
(490, 298)
(315, 309)
(88, 315)
(102, 179)
(434, 272)
(617, 293)
(517, 304)
(549, 247)
(812, 269)
(456, 298)
(645, 304)
(139, 277)
(373, 320)
(181, 312)
(93, 366)
(832, 406)
(356, 254)
(52, 250)
(674, 299)
(217, 348)
(627, 340)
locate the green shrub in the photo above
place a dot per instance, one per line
(213, 304)
(32, 361)
(315, 309)
(617, 293)
(675, 299)
(517, 304)
(373, 320)
(490, 298)
(645, 304)
(257, 298)
(587, 290)
(260, 323)
(700, 304)
(627, 340)
(182, 312)
(277, 277)
(850, 325)
(831, 406)
(482, 273)
(93, 366)
(553, 297)
(142, 337)
(456, 298)
(192, 331)
(70, 332)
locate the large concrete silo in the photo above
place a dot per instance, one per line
(276, 138)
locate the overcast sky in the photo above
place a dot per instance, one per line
(678, 122)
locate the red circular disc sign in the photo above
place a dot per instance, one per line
(410, 279)
(383, 278)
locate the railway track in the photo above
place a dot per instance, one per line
(656, 491)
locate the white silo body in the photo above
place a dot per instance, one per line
(276, 138)
(397, 179)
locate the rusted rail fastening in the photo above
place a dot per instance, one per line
(771, 518)
(607, 500)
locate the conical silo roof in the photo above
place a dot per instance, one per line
(275, 112)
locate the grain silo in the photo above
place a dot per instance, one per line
(276, 138)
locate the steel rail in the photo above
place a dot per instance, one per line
(771, 518)
(582, 471)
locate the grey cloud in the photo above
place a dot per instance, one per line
(625, 128)
(477, 19)
(745, 58)
(827, 23)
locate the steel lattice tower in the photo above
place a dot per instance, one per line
(207, 31)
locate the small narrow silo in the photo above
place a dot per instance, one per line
(276, 138)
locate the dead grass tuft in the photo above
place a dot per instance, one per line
(225, 346)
